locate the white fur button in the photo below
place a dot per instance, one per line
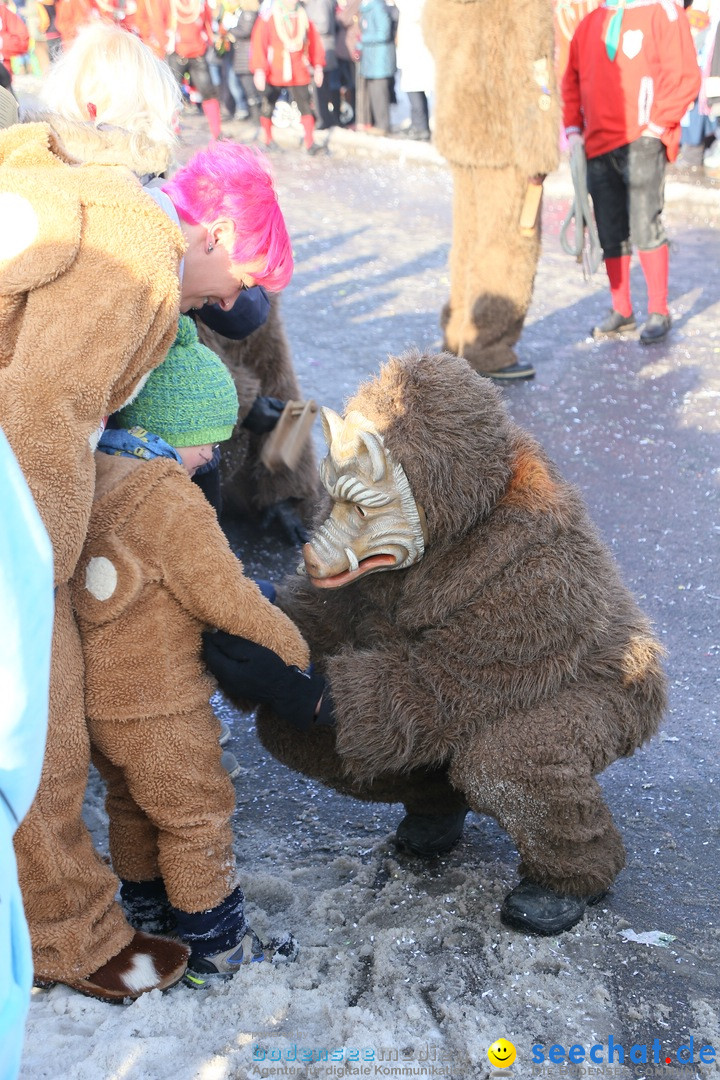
(100, 578)
(19, 225)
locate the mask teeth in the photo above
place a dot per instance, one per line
(351, 558)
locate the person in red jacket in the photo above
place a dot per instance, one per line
(184, 29)
(631, 74)
(14, 37)
(284, 46)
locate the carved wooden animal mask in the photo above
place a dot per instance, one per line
(375, 523)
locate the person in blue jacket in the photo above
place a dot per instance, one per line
(377, 60)
(26, 620)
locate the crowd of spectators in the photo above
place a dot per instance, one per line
(366, 51)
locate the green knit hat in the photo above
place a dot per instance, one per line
(190, 400)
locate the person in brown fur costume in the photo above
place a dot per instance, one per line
(82, 247)
(497, 123)
(502, 663)
(261, 367)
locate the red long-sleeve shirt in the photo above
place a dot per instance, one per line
(650, 83)
(266, 54)
(14, 37)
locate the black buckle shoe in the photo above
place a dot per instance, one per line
(428, 835)
(519, 370)
(614, 325)
(534, 909)
(655, 329)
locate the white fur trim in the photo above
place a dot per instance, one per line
(100, 578)
(136, 391)
(19, 225)
(142, 974)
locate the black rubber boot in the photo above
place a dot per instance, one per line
(534, 909)
(429, 835)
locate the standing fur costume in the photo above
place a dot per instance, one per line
(65, 362)
(497, 122)
(261, 365)
(502, 670)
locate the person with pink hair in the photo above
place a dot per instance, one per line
(225, 203)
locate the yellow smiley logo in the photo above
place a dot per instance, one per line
(501, 1053)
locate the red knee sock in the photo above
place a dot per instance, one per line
(618, 272)
(266, 125)
(211, 108)
(655, 267)
(308, 123)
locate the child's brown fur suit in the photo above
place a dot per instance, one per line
(156, 570)
(504, 669)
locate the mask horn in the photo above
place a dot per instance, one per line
(332, 424)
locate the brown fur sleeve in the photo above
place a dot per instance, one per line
(208, 580)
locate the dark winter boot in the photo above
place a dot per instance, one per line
(427, 835)
(534, 909)
(221, 941)
(147, 907)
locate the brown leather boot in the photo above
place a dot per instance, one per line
(146, 963)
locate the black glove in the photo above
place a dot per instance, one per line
(284, 517)
(252, 672)
(264, 415)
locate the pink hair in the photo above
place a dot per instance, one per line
(226, 180)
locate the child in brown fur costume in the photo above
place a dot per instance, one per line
(156, 569)
(497, 123)
(493, 661)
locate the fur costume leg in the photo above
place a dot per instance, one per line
(492, 267)
(423, 791)
(537, 778)
(133, 836)
(172, 769)
(69, 892)
(262, 364)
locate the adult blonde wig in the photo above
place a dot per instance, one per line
(109, 78)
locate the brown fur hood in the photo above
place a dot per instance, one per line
(106, 145)
(86, 310)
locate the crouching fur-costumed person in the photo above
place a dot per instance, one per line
(497, 123)
(479, 648)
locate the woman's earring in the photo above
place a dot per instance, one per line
(210, 247)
